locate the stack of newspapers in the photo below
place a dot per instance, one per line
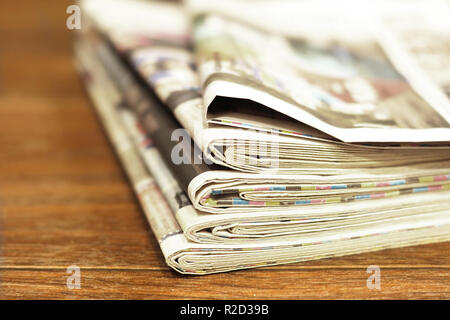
(253, 142)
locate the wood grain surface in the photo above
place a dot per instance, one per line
(64, 199)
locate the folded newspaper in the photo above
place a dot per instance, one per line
(148, 73)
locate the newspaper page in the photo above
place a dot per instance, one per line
(349, 88)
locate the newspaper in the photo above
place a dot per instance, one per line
(283, 146)
(194, 258)
(428, 43)
(215, 190)
(357, 90)
(270, 224)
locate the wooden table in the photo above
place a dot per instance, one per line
(66, 201)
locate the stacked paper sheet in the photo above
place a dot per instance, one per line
(302, 148)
